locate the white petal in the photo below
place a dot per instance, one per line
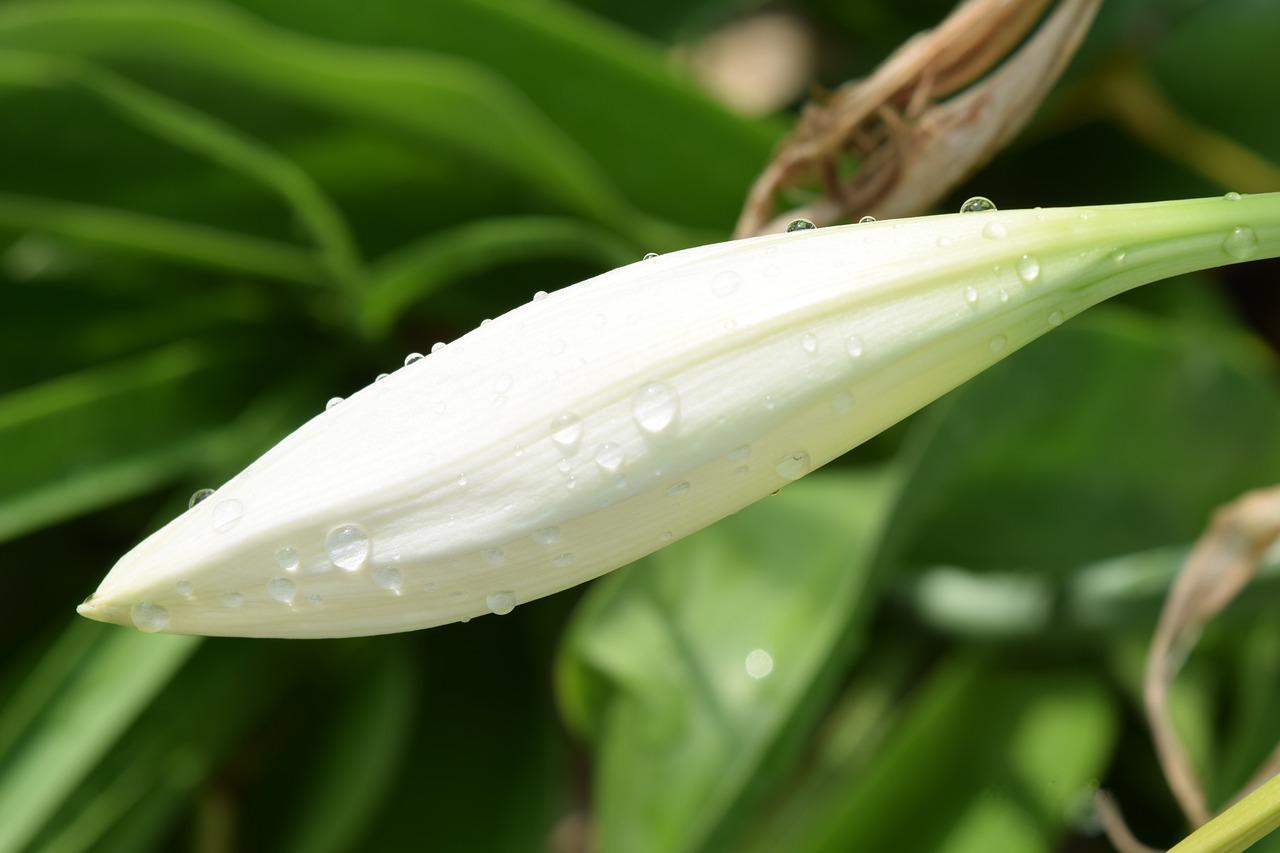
(590, 427)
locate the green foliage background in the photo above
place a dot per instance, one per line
(216, 215)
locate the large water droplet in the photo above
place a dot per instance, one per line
(437, 346)
(794, 465)
(1232, 196)
(333, 401)
(1029, 268)
(725, 282)
(994, 231)
(800, 225)
(149, 617)
(977, 204)
(1241, 243)
(197, 496)
(566, 432)
(232, 599)
(759, 663)
(282, 590)
(492, 555)
(866, 220)
(654, 407)
(388, 577)
(546, 535)
(609, 456)
(539, 296)
(347, 546)
(412, 357)
(501, 603)
(226, 514)
(288, 559)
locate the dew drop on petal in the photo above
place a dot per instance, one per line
(944, 242)
(437, 346)
(809, 343)
(232, 599)
(347, 546)
(546, 535)
(1055, 318)
(492, 555)
(566, 432)
(462, 479)
(1118, 256)
(725, 282)
(794, 465)
(315, 601)
(866, 220)
(971, 295)
(182, 588)
(197, 496)
(380, 377)
(539, 296)
(609, 456)
(149, 617)
(501, 603)
(226, 514)
(998, 343)
(800, 225)
(388, 577)
(994, 231)
(666, 536)
(563, 561)
(282, 590)
(412, 357)
(1241, 243)
(759, 663)
(977, 204)
(649, 255)
(1029, 268)
(288, 559)
(842, 402)
(1232, 196)
(677, 489)
(333, 401)
(654, 407)
(740, 454)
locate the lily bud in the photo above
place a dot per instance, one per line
(595, 424)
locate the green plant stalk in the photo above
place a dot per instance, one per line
(1240, 826)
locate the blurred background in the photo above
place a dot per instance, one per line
(214, 216)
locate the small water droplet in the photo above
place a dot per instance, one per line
(854, 346)
(437, 346)
(800, 225)
(759, 663)
(546, 535)
(741, 471)
(347, 546)
(562, 561)
(182, 588)
(1055, 318)
(740, 454)
(725, 282)
(564, 466)
(493, 555)
(288, 559)
(666, 536)
(675, 490)
(649, 255)
(429, 587)
(412, 357)
(539, 296)
(971, 295)
(503, 383)
(388, 577)
(794, 465)
(380, 377)
(282, 590)
(769, 402)
(1232, 196)
(654, 407)
(866, 220)
(197, 496)
(315, 601)
(1004, 295)
(149, 617)
(1029, 268)
(1118, 256)
(232, 599)
(998, 343)
(462, 479)
(809, 343)
(842, 402)
(994, 231)
(226, 514)
(501, 603)
(977, 204)
(333, 401)
(609, 456)
(944, 242)
(566, 432)
(1241, 243)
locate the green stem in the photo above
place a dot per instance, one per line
(1240, 826)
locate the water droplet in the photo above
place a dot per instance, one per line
(654, 407)
(1055, 318)
(800, 225)
(428, 587)
(546, 535)
(741, 471)
(1029, 268)
(725, 282)
(740, 454)
(609, 456)
(650, 255)
(380, 377)
(412, 357)
(149, 617)
(971, 295)
(232, 599)
(226, 514)
(977, 204)
(501, 603)
(566, 432)
(809, 343)
(1241, 243)
(492, 555)
(315, 601)
(182, 587)
(348, 547)
(197, 496)
(854, 346)
(333, 401)
(842, 402)
(539, 296)
(793, 466)
(759, 663)
(388, 577)
(503, 383)
(944, 242)
(437, 346)
(1004, 295)
(677, 489)
(998, 343)
(1118, 256)
(288, 559)
(282, 590)
(994, 231)
(769, 402)
(1232, 196)
(462, 480)
(866, 220)
(562, 561)
(666, 536)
